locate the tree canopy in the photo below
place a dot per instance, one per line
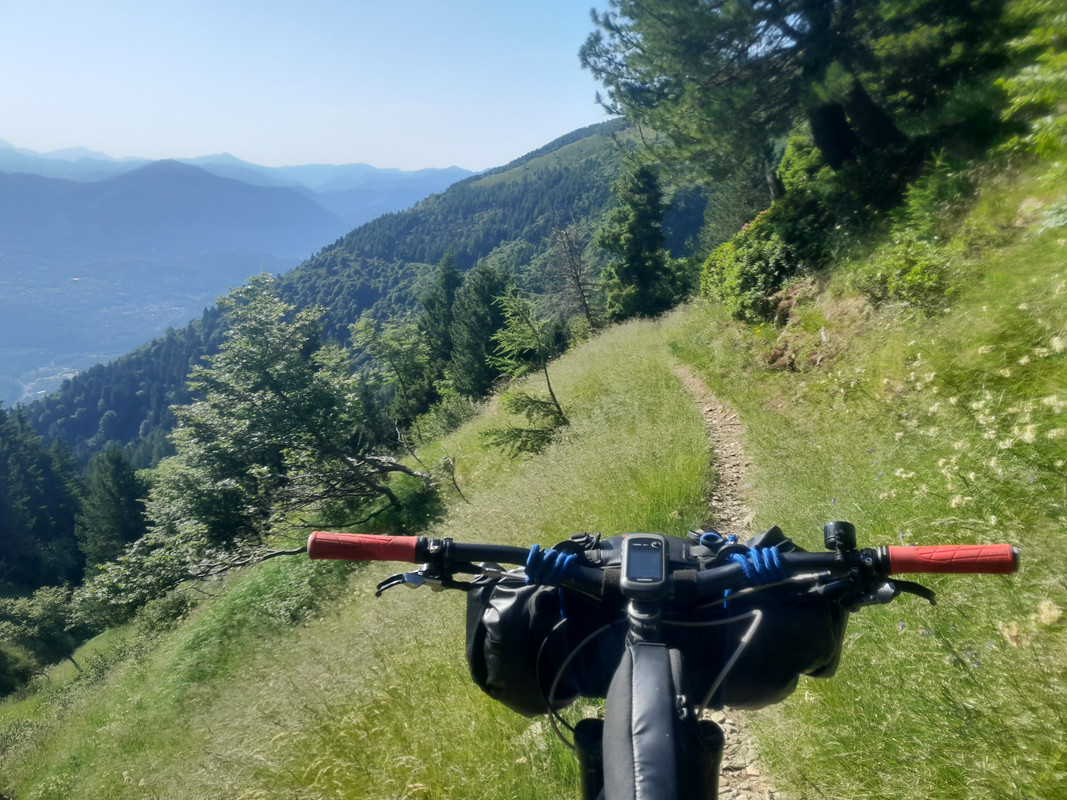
(722, 79)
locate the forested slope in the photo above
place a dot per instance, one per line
(504, 217)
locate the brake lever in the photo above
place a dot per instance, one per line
(888, 591)
(410, 579)
(911, 587)
(421, 577)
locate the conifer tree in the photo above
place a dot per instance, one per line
(721, 79)
(476, 319)
(112, 513)
(639, 281)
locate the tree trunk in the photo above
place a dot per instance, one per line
(832, 134)
(774, 181)
(870, 122)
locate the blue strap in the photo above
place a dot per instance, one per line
(547, 567)
(761, 565)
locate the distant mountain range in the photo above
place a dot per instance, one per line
(505, 217)
(99, 255)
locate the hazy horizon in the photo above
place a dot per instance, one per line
(412, 85)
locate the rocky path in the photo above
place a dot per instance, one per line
(742, 775)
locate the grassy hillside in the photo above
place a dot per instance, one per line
(933, 426)
(366, 697)
(923, 427)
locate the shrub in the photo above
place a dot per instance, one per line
(16, 667)
(744, 272)
(937, 199)
(911, 271)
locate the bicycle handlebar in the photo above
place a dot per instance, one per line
(994, 559)
(989, 559)
(363, 547)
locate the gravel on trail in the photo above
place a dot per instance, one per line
(742, 775)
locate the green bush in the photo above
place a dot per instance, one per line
(937, 199)
(16, 667)
(911, 271)
(743, 273)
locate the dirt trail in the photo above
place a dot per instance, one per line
(742, 774)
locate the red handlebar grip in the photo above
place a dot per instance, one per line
(361, 547)
(991, 559)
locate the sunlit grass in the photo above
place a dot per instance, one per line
(924, 429)
(368, 697)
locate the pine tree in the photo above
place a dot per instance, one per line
(112, 514)
(639, 281)
(722, 79)
(435, 322)
(476, 319)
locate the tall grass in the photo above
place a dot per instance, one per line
(923, 429)
(257, 696)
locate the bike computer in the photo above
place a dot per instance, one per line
(644, 566)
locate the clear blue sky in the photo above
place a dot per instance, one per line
(393, 83)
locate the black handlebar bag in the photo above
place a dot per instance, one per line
(521, 639)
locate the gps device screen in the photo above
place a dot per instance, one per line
(644, 565)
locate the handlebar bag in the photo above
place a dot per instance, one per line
(517, 644)
(798, 635)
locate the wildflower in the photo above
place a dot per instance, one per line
(1023, 307)
(993, 520)
(1005, 444)
(1058, 344)
(1028, 435)
(903, 475)
(1056, 433)
(1042, 352)
(1005, 373)
(960, 500)
(1024, 360)
(1011, 632)
(1047, 613)
(985, 350)
(961, 445)
(936, 407)
(953, 400)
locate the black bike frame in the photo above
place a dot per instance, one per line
(650, 745)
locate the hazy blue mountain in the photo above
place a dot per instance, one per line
(99, 255)
(504, 217)
(355, 192)
(93, 270)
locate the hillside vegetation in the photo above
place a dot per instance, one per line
(890, 330)
(885, 420)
